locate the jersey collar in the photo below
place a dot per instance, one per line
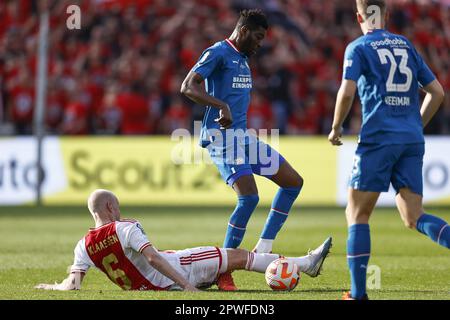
(375, 30)
(228, 41)
(232, 45)
(102, 226)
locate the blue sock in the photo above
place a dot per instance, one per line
(281, 205)
(435, 228)
(358, 254)
(238, 220)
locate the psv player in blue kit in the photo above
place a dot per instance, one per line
(388, 73)
(224, 70)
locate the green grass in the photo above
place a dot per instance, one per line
(37, 246)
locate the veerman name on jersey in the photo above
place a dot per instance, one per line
(101, 245)
(397, 101)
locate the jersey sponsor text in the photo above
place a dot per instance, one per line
(242, 82)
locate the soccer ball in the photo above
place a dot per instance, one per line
(282, 275)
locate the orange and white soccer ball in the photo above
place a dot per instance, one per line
(282, 275)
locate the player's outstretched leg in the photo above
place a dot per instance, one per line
(435, 228)
(310, 264)
(290, 186)
(411, 210)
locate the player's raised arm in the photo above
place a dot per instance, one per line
(433, 99)
(193, 88)
(344, 102)
(72, 282)
(162, 266)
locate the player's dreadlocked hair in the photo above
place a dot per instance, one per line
(362, 5)
(252, 18)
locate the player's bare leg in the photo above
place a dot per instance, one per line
(290, 183)
(245, 185)
(359, 208)
(247, 193)
(287, 177)
(409, 205)
(411, 210)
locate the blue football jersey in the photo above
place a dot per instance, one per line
(388, 71)
(228, 78)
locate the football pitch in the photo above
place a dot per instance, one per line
(37, 247)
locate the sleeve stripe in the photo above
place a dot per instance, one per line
(145, 245)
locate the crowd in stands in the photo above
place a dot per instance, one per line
(121, 72)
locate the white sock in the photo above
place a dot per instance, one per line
(260, 261)
(264, 246)
(302, 262)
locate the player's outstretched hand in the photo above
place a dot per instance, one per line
(225, 119)
(335, 137)
(191, 288)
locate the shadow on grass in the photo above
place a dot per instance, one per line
(270, 292)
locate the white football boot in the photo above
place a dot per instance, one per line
(317, 257)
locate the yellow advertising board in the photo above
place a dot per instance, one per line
(142, 171)
(159, 171)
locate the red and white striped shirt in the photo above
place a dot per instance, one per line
(115, 248)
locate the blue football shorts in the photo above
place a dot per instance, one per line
(376, 166)
(239, 159)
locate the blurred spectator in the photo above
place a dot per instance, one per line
(54, 111)
(75, 120)
(304, 120)
(21, 101)
(150, 45)
(109, 114)
(135, 112)
(177, 116)
(259, 113)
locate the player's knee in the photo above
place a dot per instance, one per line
(295, 180)
(357, 215)
(410, 222)
(298, 181)
(251, 200)
(244, 209)
(349, 214)
(410, 215)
